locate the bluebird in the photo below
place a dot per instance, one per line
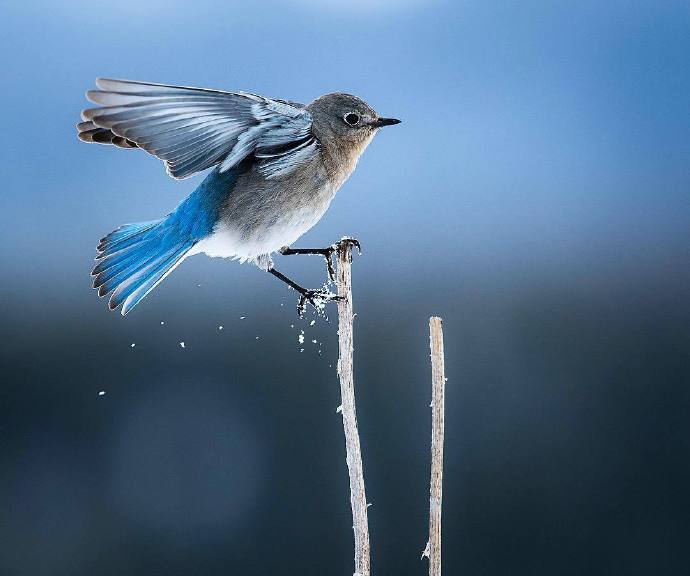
(276, 165)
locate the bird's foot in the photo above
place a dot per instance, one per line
(327, 253)
(317, 298)
(345, 240)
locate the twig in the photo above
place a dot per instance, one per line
(358, 499)
(438, 386)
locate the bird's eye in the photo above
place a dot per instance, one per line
(352, 119)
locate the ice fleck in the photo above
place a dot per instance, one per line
(312, 322)
(301, 349)
(339, 409)
(181, 344)
(256, 337)
(300, 338)
(242, 317)
(132, 345)
(220, 327)
(162, 322)
(313, 341)
(426, 551)
(101, 393)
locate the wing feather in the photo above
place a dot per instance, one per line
(192, 129)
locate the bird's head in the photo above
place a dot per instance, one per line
(345, 120)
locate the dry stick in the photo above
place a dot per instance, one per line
(438, 386)
(358, 499)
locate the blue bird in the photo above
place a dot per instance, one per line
(276, 167)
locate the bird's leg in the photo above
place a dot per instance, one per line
(327, 253)
(314, 297)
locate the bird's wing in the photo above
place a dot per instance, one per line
(192, 129)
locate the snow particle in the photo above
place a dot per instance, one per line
(181, 344)
(101, 393)
(426, 551)
(132, 345)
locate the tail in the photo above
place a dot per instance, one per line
(135, 258)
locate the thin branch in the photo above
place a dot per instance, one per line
(358, 499)
(438, 387)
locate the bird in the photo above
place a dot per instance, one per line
(274, 166)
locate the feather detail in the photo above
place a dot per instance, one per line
(133, 259)
(192, 129)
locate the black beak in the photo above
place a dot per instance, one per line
(386, 122)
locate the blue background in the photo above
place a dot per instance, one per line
(537, 196)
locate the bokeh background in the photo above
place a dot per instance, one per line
(537, 196)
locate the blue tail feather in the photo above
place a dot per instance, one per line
(110, 278)
(125, 232)
(136, 257)
(133, 259)
(121, 257)
(132, 290)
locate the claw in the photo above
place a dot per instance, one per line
(329, 263)
(317, 298)
(345, 241)
(348, 240)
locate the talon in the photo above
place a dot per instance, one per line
(329, 263)
(317, 299)
(352, 241)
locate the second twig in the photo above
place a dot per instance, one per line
(438, 384)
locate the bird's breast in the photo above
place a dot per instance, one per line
(261, 215)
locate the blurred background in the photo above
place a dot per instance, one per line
(537, 196)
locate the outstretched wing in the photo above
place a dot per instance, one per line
(192, 129)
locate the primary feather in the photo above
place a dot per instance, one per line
(192, 129)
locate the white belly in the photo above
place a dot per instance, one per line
(227, 241)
